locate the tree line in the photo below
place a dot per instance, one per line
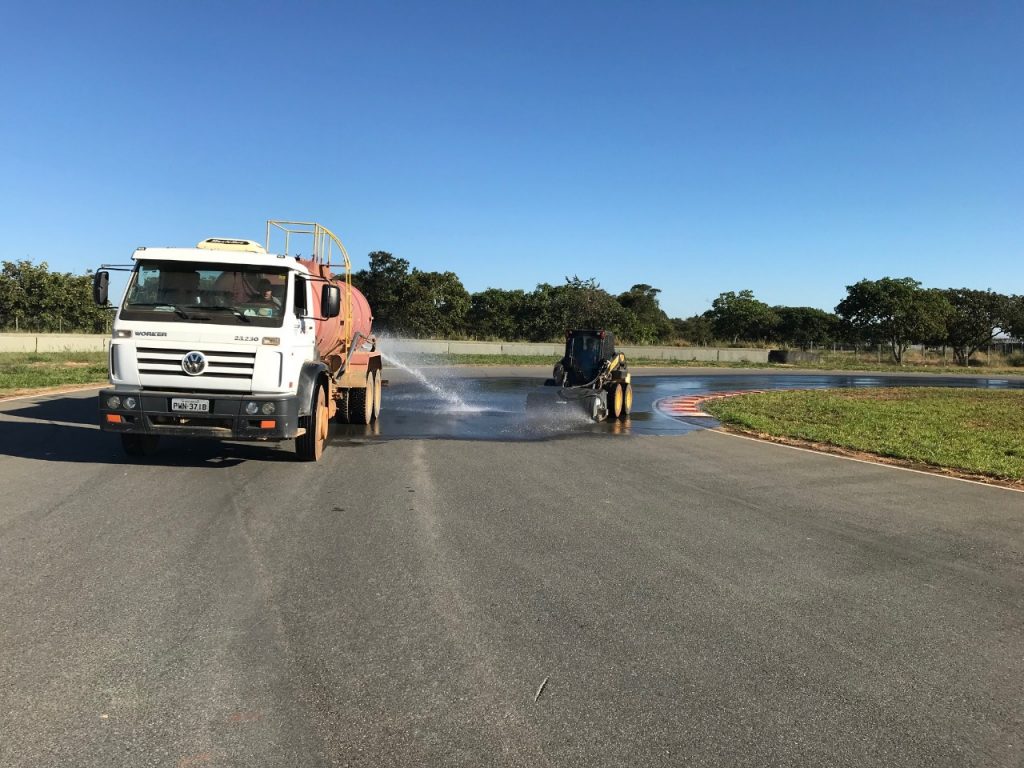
(893, 312)
(412, 302)
(32, 298)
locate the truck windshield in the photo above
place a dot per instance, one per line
(228, 294)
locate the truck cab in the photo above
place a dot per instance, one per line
(216, 341)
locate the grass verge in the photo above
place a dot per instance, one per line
(25, 372)
(974, 431)
(846, 361)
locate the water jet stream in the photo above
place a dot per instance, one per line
(449, 396)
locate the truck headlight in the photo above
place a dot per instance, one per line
(113, 402)
(268, 408)
(129, 402)
(252, 408)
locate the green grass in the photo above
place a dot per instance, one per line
(847, 361)
(970, 430)
(26, 371)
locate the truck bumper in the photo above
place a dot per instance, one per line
(227, 419)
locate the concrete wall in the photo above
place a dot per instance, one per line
(53, 342)
(80, 342)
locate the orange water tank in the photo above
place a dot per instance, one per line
(332, 333)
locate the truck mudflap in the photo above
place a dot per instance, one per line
(217, 415)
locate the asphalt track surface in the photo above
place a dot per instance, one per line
(690, 598)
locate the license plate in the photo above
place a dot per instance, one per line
(186, 405)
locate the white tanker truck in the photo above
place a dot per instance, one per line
(228, 340)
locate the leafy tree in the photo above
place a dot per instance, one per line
(31, 296)
(650, 323)
(894, 311)
(1014, 324)
(498, 314)
(433, 304)
(587, 305)
(386, 285)
(974, 319)
(804, 326)
(577, 304)
(547, 317)
(741, 316)
(696, 329)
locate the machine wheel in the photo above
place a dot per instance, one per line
(360, 402)
(627, 399)
(310, 446)
(597, 410)
(377, 386)
(139, 446)
(615, 404)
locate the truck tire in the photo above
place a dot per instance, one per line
(377, 386)
(310, 445)
(341, 413)
(138, 446)
(360, 402)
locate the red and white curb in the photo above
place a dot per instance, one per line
(689, 406)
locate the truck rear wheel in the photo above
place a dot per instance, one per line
(377, 385)
(310, 445)
(360, 402)
(140, 445)
(341, 413)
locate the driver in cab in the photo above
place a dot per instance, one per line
(267, 298)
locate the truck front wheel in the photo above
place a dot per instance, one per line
(138, 446)
(309, 446)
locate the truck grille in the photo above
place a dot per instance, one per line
(162, 361)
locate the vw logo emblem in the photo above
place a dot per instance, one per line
(193, 363)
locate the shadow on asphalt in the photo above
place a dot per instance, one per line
(68, 410)
(65, 430)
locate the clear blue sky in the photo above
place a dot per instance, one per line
(787, 147)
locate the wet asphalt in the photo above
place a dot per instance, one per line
(513, 404)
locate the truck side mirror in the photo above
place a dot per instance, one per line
(100, 284)
(330, 301)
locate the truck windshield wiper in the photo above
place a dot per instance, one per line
(177, 310)
(233, 310)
